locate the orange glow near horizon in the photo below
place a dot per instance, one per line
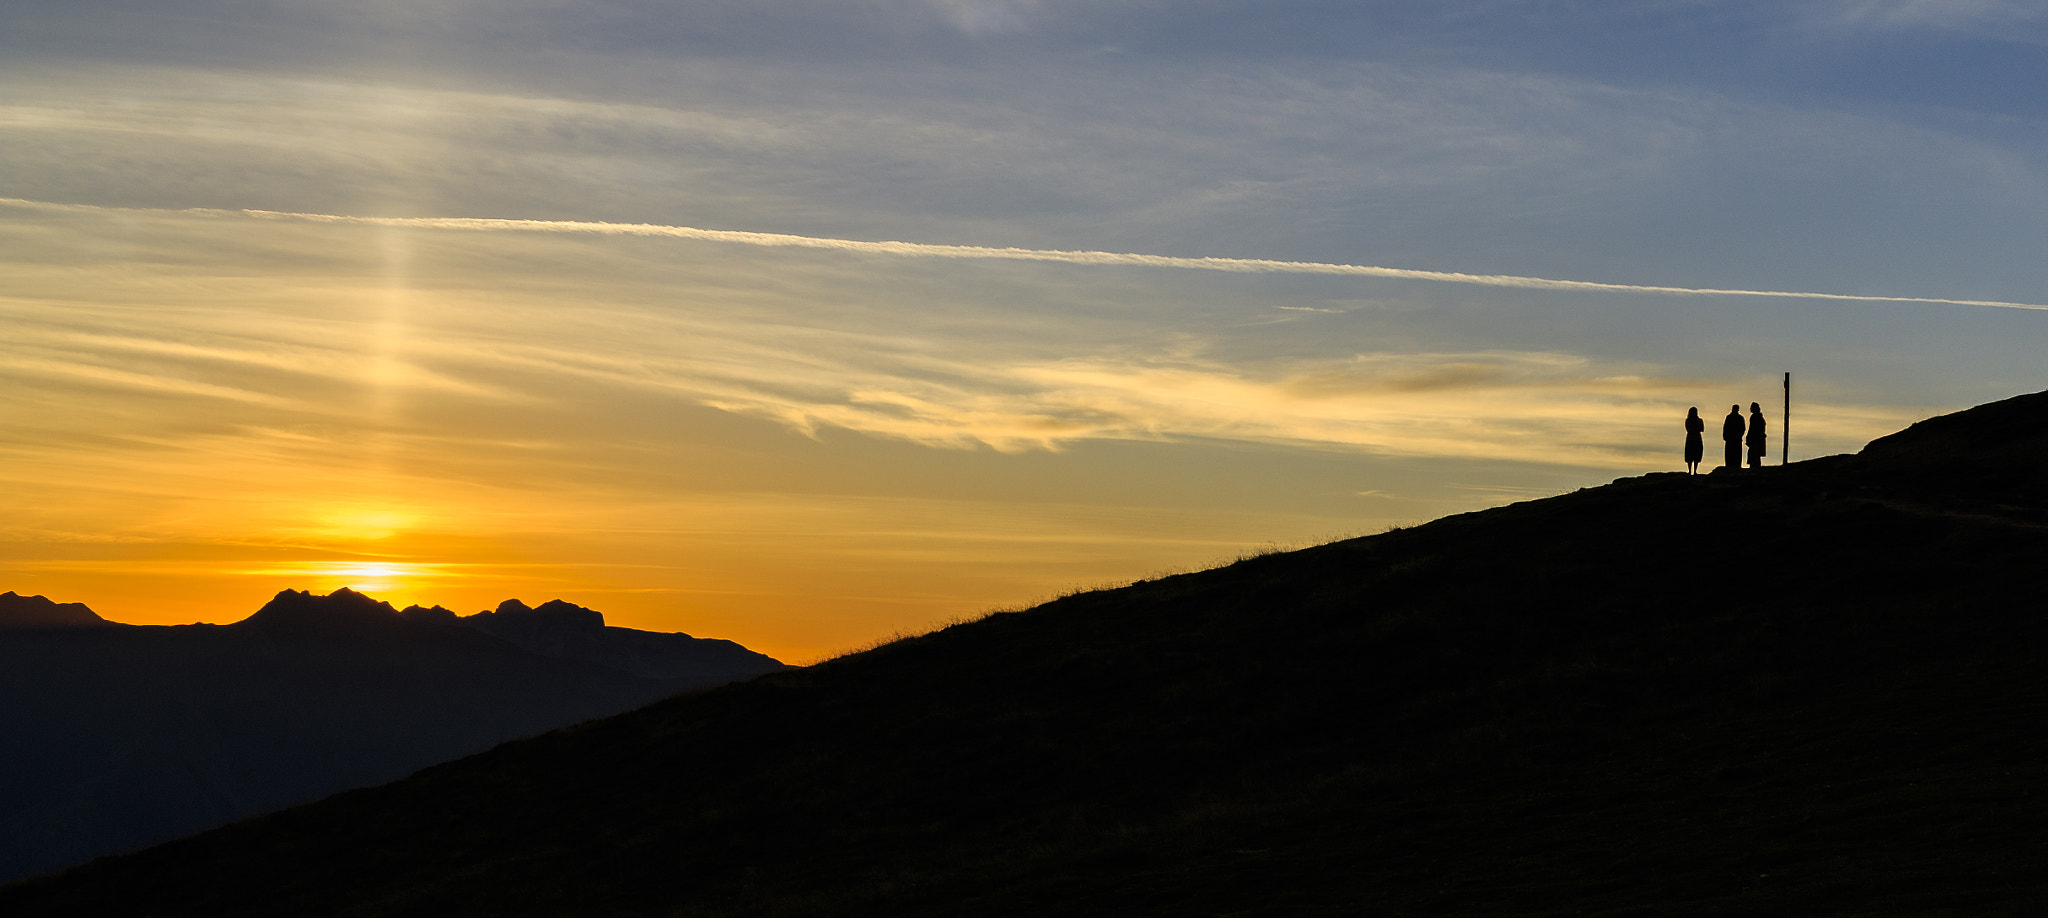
(799, 586)
(764, 446)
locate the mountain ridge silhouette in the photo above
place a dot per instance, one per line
(122, 735)
(17, 611)
(1811, 689)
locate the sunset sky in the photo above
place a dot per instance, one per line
(452, 302)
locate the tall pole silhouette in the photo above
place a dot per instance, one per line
(1785, 425)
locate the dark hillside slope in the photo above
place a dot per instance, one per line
(1996, 452)
(1814, 690)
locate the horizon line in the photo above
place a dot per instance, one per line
(940, 250)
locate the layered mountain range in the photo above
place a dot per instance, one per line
(117, 736)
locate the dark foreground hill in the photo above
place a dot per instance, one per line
(115, 736)
(1811, 690)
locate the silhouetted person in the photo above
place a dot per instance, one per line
(1694, 447)
(1757, 439)
(1731, 437)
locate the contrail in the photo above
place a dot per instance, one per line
(931, 250)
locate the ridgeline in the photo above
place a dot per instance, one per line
(1804, 690)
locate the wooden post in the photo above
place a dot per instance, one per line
(1785, 425)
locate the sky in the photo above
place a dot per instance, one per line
(803, 323)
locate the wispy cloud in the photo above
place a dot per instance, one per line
(1335, 162)
(1104, 259)
(502, 322)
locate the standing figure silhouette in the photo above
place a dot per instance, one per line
(1694, 448)
(1731, 437)
(1757, 439)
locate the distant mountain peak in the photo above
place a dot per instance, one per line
(556, 628)
(303, 610)
(554, 613)
(342, 599)
(562, 629)
(571, 612)
(18, 611)
(436, 615)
